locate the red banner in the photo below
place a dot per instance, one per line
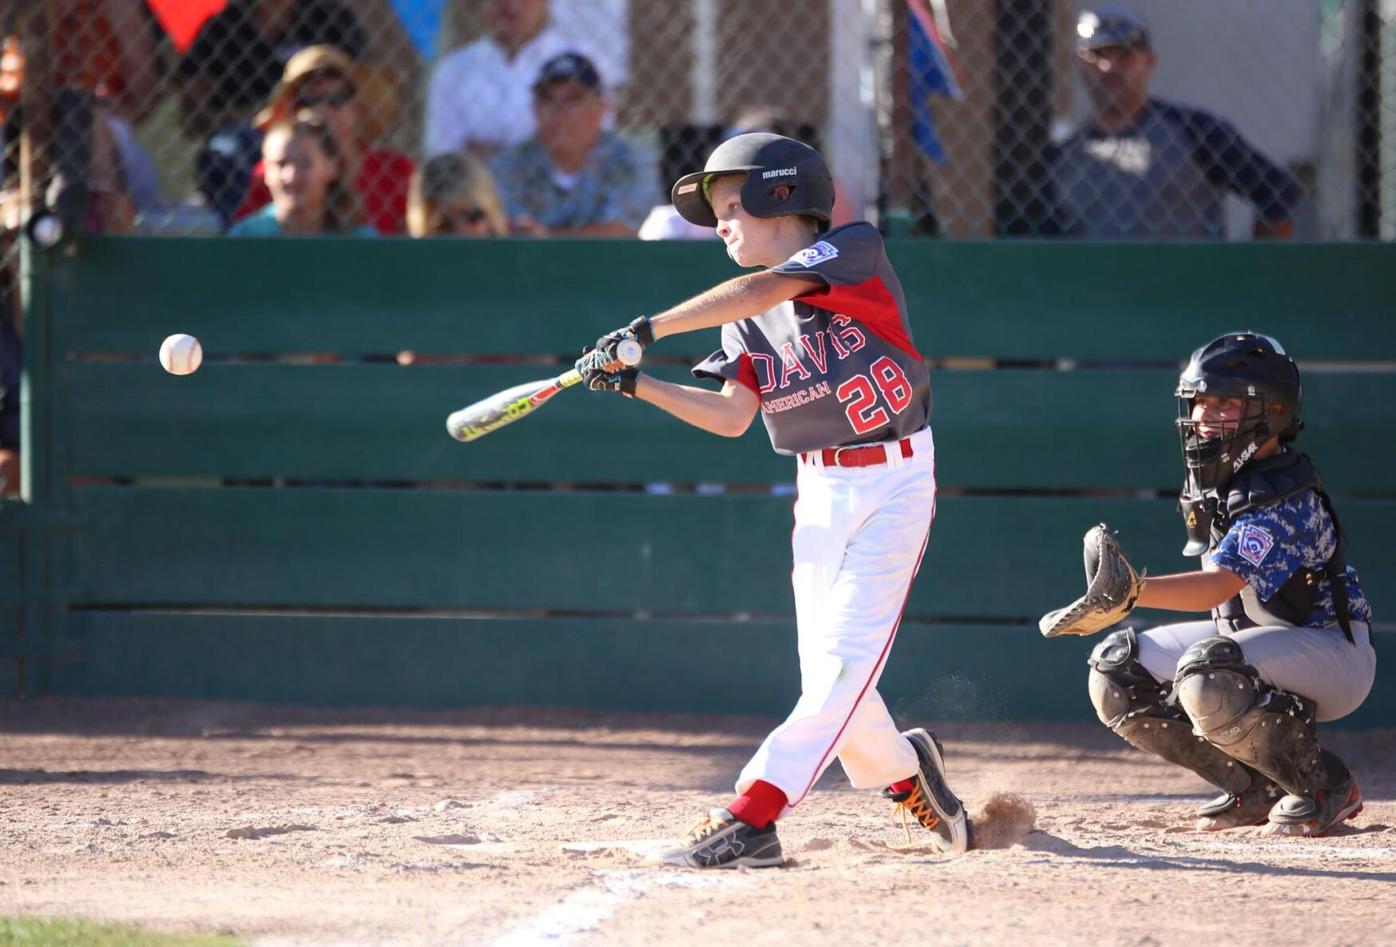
(183, 18)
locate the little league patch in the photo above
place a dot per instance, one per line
(1255, 543)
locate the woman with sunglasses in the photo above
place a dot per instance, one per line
(453, 195)
(326, 81)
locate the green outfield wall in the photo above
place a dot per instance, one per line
(292, 523)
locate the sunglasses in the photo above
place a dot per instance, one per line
(453, 219)
(336, 99)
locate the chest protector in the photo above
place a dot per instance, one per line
(1265, 483)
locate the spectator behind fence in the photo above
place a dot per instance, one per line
(240, 54)
(104, 57)
(358, 104)
(115, 50)
(574, 178)
(453, 195)
(310, 190)
(1147, 168)
(233, 64)
(479, 97)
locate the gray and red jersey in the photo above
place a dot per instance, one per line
(836, 365)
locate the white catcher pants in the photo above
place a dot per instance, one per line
(1317, 663)
(859, 536)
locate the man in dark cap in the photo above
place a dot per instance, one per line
(573, 177)
(1145, 168)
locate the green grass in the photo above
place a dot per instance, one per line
(69, 932)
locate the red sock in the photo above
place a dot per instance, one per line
(903, 785)
(759, 805)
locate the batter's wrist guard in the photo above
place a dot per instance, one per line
(643, 331)
(638, 330)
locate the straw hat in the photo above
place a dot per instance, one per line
(376, 89)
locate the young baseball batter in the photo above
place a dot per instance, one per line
(1236, 698)
(819, 341)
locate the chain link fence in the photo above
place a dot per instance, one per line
(962, 118)
(1192, 119)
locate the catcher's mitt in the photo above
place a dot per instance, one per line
(1112, 588)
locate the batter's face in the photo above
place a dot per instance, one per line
(751, 241)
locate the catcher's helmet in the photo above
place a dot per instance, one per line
(769, 162)
(1255, 369)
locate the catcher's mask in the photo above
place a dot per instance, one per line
(1253, 369)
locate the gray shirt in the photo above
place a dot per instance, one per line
(837, 364)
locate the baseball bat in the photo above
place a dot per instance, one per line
(507, 406)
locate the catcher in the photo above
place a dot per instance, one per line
(1236, 699)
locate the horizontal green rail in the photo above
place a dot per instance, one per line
(959, 672)
(1028, 299)
(989, 556)
(1030, 428)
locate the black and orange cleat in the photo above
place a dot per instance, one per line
(930, 801)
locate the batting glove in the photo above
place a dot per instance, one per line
(639, 329)
(599, 379)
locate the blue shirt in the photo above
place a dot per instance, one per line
(616, 183)
(1268, 544)
(1164, 177)
(263, 223)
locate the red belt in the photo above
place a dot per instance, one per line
(870, 455)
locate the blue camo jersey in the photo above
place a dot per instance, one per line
(1267, 545)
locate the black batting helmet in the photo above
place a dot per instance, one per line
(1254, 369)
(769, 162)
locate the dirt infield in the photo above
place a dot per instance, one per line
(288, 825)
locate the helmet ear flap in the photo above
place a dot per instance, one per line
(1293, 424)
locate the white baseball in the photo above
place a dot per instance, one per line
(181, 354)
(629, 352)
(47, 231)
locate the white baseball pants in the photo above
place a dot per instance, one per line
(859, 536)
